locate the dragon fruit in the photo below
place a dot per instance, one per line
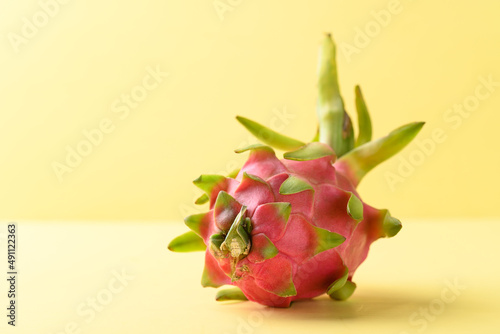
(295, 228)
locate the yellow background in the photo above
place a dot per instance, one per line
(260, 58)
(68, 270)
(260, 62)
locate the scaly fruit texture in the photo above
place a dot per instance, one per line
(295, 228)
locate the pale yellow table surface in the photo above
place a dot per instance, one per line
(402, 287)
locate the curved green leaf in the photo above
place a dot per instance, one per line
(364, 121)
(390, 225)
(253, 177)
(202, 199)
(327, 240)
(344, 292)
(268, 136)
(187, 242)
(355, 208)
(316, 136)
(232, 293)
(339, 283)
(254, 147)
(194, 222)
(294, 185)
(365, 157)
(234, 173)
(310, 151)
(208, 182)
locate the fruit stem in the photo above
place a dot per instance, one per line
(335, 127)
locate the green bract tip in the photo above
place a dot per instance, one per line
(364, 121)
(270, 137)
(228, 294)
(339, 283)
(327, 240)
(310, 151)
(344, 292)
(367, 156)
(187, 242)
(294, 185)
(390, 225)
(355, 208)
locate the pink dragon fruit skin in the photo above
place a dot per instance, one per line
(308, 229)
(295, 228)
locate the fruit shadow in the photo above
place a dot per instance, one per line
(370, 305)
(379, 304)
